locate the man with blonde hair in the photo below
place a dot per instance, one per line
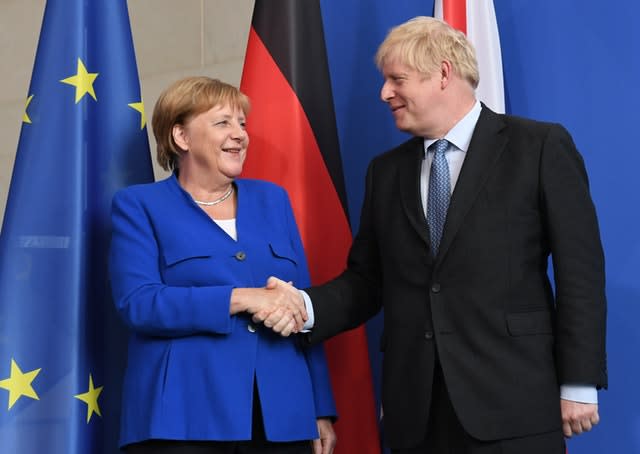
(457, 226)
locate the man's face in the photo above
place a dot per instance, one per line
(414, 98)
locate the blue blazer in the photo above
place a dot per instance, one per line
(191, 365)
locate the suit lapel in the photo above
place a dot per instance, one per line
(409, 180)
(487, 144)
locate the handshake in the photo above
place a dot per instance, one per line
(278, 305)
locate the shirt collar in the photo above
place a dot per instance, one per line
(460, 134)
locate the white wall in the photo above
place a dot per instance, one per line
(172, 39)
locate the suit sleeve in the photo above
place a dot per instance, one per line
(578, 262)
(353, 297)
(314, 355)
(143, 301)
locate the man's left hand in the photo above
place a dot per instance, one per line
(578, 417)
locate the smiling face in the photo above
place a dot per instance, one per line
(415, 99)
(214, 141)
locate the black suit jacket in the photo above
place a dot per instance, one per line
(484, 307)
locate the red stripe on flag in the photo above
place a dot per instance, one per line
(283, 149)
(455, 14)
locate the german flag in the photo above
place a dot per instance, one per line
(294, 143)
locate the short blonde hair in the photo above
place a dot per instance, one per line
(181, 101)
(422, 43)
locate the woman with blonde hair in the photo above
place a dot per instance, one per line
(190, 258)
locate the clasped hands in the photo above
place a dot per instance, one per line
(279, 306)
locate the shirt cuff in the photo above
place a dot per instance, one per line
(579, 393)
(309, 308)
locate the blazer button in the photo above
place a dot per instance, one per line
(435, 288)
(428, 335)
(251, 328)
(241, 255)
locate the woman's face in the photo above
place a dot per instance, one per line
(215, 141)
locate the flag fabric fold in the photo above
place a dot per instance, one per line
(294, 143)
(83, 137)
(477, 18)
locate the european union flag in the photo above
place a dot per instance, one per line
(83, 137)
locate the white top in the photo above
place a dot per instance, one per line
(229, 226)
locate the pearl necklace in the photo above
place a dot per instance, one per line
(216, 201)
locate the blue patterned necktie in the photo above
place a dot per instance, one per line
(439, 193)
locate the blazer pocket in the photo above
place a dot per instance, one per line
(283, 251)
(194, 268)
(529, 323)
(172, 258)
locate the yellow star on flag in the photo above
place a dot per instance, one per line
(83, 81)
(91, 399)
(25, 116)
(19, 384)
(139, 106)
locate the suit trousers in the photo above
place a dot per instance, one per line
(257, 445)
(445, 434)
